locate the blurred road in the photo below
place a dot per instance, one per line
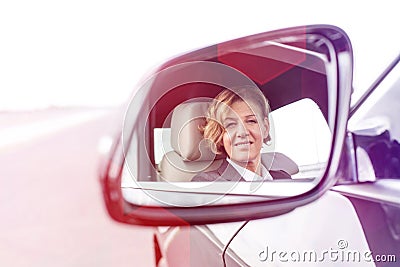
(51, 208)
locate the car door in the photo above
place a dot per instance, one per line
(374, 189)
(324, 232)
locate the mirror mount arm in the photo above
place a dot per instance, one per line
(347, 172)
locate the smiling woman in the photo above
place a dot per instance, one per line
(238, 125)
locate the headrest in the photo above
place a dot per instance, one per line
(186, 137)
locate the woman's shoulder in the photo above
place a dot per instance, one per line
(206, 176)
(213, 175)
(225, 172)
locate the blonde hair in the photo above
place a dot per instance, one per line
(213, 130)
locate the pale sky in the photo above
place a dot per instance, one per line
(95, 52)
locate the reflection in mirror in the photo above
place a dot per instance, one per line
(168, 146)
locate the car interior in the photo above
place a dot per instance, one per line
(177, 149)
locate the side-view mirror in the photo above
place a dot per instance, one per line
(199, 145)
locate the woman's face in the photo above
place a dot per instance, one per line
(244, 133)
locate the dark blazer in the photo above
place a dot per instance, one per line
(226, 172)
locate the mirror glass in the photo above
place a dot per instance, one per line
(246, 120)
